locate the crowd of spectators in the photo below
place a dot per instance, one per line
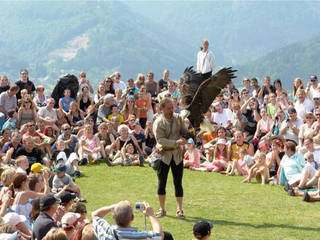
(258, 130)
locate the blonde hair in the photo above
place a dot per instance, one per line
(20, 159)
(56, 234)
(39, 88)
(7, 176)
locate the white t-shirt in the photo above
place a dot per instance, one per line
(290, 134)
(120, 85)
(44, 112)
(223, 118)
(303, 108)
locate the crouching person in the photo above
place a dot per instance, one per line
(124, 217)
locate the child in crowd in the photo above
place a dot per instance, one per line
(245, 162)
(91, 147)
(259, 170)
(140, 136)
(220, 154)
(12, 120)
(65, 156)
(115, 112)
(191, 157)
(63, 182)
(127, 157)
(22, 164)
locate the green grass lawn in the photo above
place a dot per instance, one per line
(237, 210)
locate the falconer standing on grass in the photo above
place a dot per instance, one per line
(168, 130)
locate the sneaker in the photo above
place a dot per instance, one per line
(306, 197)
(291, 192)
(141, 158)
(77, 174)
(287, 187)
(107, 161)
(83, 161)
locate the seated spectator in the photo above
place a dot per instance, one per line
(290, 128)
(45, 221)
(67, 200)
(80, 208)
(99, 96)
(26, 112)
(117, 83)
(150, 138)
(140, 80)
(172, 91)
(272, 106)
(306, 129)
(264, 127)
(274, 157)
(303, 104)
(202, 230)
(64, 102)
(123, 216)
(291, 165)
(22, 164)
(63, 182)
(22, 195)
(129, 109)
(84, 100)
(70, 223)
(4, 83)
(151, 85)
(83, 81)
(312, 87)
(143, 104)
(163, 82)
(108, 84)
(115, 112)
(75, 117)
(259, 170)
(11, 123)
(40, 100)
(7, 177)
(34, 155)
(222, 116)
(106, 137)
(8, 100)
(132, 91)
(17, 221)
(140, 137)
(25, 83)
(49, 115)
(56, 233)
(105, 109)
(127, 157)
(191, 158)
(69, 139)
(67, 157)
(5, 137)
(238, 120)
(91, 147)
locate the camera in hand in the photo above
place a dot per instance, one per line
(139, 206)
(131, 91)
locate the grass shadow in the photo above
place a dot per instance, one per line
(243, 224)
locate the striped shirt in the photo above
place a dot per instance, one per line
(104, 231)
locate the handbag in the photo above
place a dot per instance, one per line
(155, 162)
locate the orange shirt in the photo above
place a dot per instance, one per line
(142, 103)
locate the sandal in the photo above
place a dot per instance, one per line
(161, 213)
(180, 214)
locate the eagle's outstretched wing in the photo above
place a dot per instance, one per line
(203, 94)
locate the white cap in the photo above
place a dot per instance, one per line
(221, 141)
(9, 236)
(70, 219)
(13, 218)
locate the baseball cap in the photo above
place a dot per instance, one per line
(70, 219)
(201, 229)
(190, 140)
(48, 200)
(37, 167)
(13, 218)
(60, 168)
(66, 197)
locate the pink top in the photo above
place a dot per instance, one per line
(194, 157)
(92, 143)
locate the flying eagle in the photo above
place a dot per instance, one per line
(197, 94)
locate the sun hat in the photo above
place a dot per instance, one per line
(221, 141)
(13, 218)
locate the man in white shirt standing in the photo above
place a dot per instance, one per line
(205, 60)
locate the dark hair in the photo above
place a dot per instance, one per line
(11, 113)
(13, 88)
(35, 209)
(291, 146)
(18, 179)
(33, 180)
(277, 81)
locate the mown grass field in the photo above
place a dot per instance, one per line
(237, 210)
